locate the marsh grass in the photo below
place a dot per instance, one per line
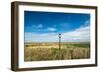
(50, 51)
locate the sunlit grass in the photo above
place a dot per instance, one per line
(50, 51)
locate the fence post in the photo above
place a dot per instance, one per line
(59, 46)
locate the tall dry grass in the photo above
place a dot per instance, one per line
(50, 51)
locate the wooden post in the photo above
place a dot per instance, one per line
(59, 46)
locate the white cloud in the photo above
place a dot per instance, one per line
(40, 26)
(87, 22)
(47, 37)
(81, 34)
(51, 29)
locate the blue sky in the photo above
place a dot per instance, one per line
(44, 26)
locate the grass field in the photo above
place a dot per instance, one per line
(51, 51)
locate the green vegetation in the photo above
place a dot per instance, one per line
(51, 51)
